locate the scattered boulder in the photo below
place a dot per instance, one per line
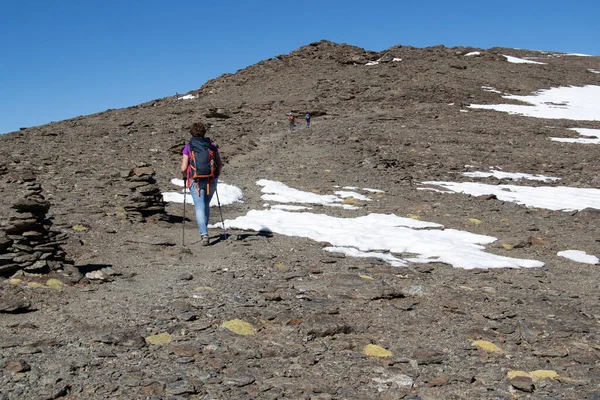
(14, 306)
(217, 113)
(523, 383)
(16, 366)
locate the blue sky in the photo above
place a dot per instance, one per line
(65, 58)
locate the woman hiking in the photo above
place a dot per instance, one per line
(201, 166)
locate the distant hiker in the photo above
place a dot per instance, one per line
(291, 119)
(201, 166)
(307, 118)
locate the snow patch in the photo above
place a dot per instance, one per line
(579, 256)
(570, 102)
(516, 60)
(560, 198)
(376, 232)
(510, 175)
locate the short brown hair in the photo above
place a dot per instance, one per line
(198, 129)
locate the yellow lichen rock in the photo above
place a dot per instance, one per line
(161, 338)
(15, 281)
(487, 346)
(535, 376)
(372, 350)
(367, 277)
(240, 327)
(351, 201)
(54, 283)
(475, 221)
(515, 374)
(542, 374)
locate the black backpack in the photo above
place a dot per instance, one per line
(202, 160)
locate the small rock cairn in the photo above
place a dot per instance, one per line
(26, 240)
(142, 197)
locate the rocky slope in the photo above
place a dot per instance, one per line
(156, 320)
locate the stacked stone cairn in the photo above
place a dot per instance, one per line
(142, 195)
(27, 242)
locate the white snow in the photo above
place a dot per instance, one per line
(396, 59)
(587, 132)
(491, 89)
(577, 55)
(187, 97)
(510, 175)
(473, 53)
(593, 71)
(288, 207)
(346, 194)
(561, 198)
(381, 232)
(516, 60)
(373, 190)
(595, 133)
(396, 240)
(228, 194)
(579, 256)
(570, 102)
(281, 193)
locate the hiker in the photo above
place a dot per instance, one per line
(307, 118)
(201, 166)
(291, 118)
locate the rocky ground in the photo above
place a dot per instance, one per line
(104, 302)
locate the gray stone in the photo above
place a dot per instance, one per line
(14, 306)
(186, 276)
(183, 386)
(240, 380)
(16, 366)
(523, 383)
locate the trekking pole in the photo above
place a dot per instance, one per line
(220, 212)
(183, 220)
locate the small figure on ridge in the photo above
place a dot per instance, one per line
(291, 119)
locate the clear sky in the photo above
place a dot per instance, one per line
(64, 58)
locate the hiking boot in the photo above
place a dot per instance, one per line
(205, 241)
